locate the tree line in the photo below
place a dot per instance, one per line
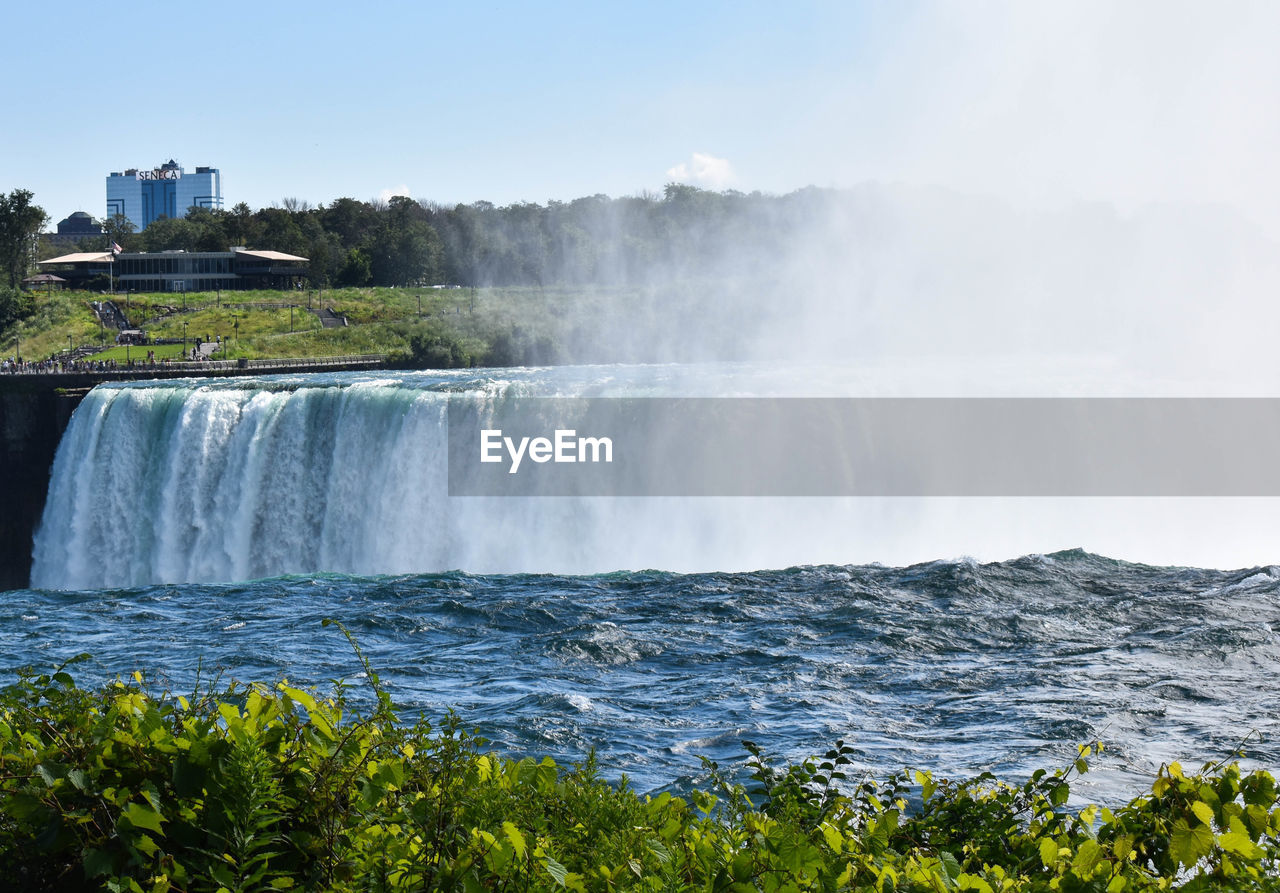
(21, 221)
(683, 233)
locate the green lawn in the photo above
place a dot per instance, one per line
(120, 353)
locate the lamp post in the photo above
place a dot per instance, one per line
(184, 338)
(237, 328)
(68, 344)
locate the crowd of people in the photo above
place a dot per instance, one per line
(62, 366)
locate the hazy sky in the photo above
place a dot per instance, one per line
(1123, 101)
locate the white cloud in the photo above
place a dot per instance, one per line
(704, 170)
(387, 194)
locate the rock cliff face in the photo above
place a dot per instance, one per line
(33, 416)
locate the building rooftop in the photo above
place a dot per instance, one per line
(80, 257)
(269, 255)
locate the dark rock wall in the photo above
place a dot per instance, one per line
(32, 419)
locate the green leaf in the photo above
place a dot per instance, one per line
(1203, 812)
(1238, 842)
(791, 852)
(1122, 846)
(1048, 852)
(1189, 845)
(51, 772)
(516, 838)
(555, 869)
(951, 864)
(833, 837)
(96, 862)
(660, 852)
(145, 845)
(144, 817)
(927, 786)
(305, 698)
(1087, 857)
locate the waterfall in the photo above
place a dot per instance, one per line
(186, 481)
(239, 479)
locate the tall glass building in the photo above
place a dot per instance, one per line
(144, 196)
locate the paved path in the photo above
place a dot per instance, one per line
(329, 319)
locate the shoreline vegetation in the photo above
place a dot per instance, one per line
(238, 787)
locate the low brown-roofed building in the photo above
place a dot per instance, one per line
(179, 271)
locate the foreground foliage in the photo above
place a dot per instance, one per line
(272, 788)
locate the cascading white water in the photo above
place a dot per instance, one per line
(226, 481)
(184, 481)
(233, 480)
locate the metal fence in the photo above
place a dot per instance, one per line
(185, 368)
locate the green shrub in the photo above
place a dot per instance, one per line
(14, 306)
(257, 787)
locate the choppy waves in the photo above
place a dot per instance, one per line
(958, 666)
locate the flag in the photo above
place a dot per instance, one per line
(115, 249)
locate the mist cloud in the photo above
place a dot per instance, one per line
(703, 170)
(1129, 103)
(391, 192)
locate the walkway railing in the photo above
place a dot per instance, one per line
(107, 371)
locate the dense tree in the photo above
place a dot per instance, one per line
(14, 305)
(179, 234)
(21, 223)
(685, 233)
(120, 229)
(279, 231)
(241, 227)
(404, 250)
(356, 269)
(350, 220)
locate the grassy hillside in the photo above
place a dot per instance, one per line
(269, 324)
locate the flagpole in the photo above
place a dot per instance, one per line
(111, 270)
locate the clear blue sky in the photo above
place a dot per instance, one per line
(529, 102)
